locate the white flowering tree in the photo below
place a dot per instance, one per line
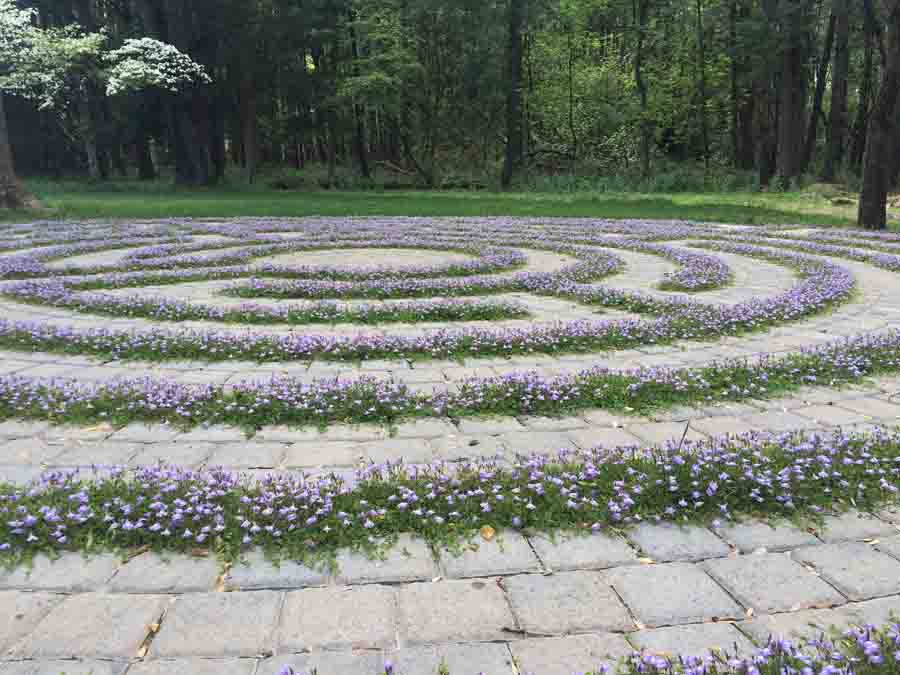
(56, 67)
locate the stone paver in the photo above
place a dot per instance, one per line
(410, 559)
(194, 667)
(877, 611)
(567, 655)
(567, 602)
(151, 573)
(69, 572)
(507, 553)
(854, 526)
(607, 438)
(54, 667)
(454, 611)
(668, 542)
(334, 618)
(772, 583)
(874, 408)
(247, 455)
(890, 545)
(681, 593)
(856, 570)
(21, 612)
(660, 433)
(749, 536)
(694, 640)
(187, 453)
(804, 623)
(194, 626)
(254, 572)
(592, 551)
(491, 659)
(344, 662)
(93, 625)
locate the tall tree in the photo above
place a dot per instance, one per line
(812, 129)
(837, 113)
(792, 88)
(12, 193)
(864, 101)
(640, 12)
(514, 126)
(881, 138)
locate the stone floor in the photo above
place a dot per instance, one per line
(531, 604)
(512, 605)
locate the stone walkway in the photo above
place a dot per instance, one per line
(511, 605)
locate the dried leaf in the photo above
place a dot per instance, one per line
(142, 652)
(154, 627)
(647, 561)
(200, 552)
(487, 532)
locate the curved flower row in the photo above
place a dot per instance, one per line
(56, 294)
(285, 400)
(180, 255)
(31, 264)
(823, 285)
(300, 517)
(590, 267)
(878, 258)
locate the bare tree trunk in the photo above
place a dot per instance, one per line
(249, 131)
(879, 160)
(12, 193)
(146, 169)
(812, 129)
(640, 10)
(792, 91)
(837, 115)
(359, 113)
(861, 121)
(701, 85)
(513, 156)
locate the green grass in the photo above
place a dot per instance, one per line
(72, 200)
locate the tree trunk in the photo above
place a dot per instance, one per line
(146, 169)
(12, 194)
(812, 129)
(640, 11)
(249, 130)
(743, 102)
(513, 157)
(861, 121)
(837, 115)
(359, 113)
(880, 140)
(735, 95)
(792, 92)
(701, 85)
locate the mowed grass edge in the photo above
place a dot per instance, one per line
(70, 202)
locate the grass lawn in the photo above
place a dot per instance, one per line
(73, 201)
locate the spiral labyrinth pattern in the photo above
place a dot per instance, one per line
(252, 323)
(324, 388)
